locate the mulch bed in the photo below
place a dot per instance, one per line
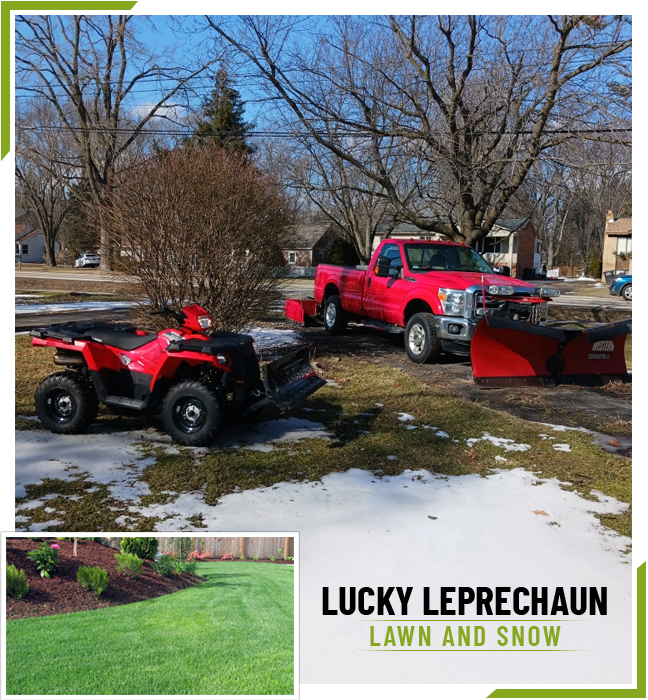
(63, 593)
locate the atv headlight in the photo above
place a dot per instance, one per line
(222, 359)
(501, 290)
(204, 322)
(547, 292)
(453, 301)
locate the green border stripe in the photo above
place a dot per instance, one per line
(5, 45)
(638, 692)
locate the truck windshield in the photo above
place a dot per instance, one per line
(425, 257)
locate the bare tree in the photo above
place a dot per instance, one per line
(472, 102)
(200, 225)
(45, 167)
(95, 64)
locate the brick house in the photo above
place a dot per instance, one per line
(312, 245)
(617, 245)
(511, 242)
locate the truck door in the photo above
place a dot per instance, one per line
(384, 285)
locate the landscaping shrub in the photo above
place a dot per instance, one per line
(45, 558)
(164, 565)
(17, 585)
(129, 564)
(184, 567)
(143, 547)
(94, 578)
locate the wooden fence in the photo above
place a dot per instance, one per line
(238, 547)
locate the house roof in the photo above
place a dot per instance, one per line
(619, 227)
(306, 236)
(404, 229)
(24, 231)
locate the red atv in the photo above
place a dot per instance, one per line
(194, 376)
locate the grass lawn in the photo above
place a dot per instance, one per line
(361, 415)
(231, 635)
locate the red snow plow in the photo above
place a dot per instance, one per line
(509, 353)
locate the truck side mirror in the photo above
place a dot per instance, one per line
(382, 266)
(395, 271)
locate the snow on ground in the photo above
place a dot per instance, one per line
(266, 338)
(74, 306)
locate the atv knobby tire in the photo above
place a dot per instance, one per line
(191, 413)
(421, 340)
(66, 403)
(334, 316)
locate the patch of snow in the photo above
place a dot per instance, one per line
(380, 405)
(499, 458)
(561, 447)
(411, 427)
(392, 457)
(22, 309)
(335, 385)
(265, 338)
(507, 443)
(404, 417)
(41, 527)
(442, 433)
(429, 427)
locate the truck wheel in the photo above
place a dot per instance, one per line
(421, 340)
(335, 317)
(65, 403)
(191, 413)
(626, 292)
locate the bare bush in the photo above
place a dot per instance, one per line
(200, 225)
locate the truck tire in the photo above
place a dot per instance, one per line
(335, 317)
(626, 292)
(421, 340)
(65, 403)
(191, 413)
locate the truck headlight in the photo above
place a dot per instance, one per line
(453, 301)
(547, 292)
(501, 290)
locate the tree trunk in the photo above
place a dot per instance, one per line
(50, 252)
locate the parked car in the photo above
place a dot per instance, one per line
(87, 260)
(621, 285)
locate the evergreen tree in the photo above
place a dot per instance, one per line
(221, 120)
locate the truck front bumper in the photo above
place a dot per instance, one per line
(455, 328)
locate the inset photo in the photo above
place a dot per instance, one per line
(203, 614)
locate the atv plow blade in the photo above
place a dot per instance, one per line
(510, 353)
(291, 380)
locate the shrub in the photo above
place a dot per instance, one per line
(129, 564)
(93, 578)
(143, 547)
(17, 585)
(216, 221)
(45, 558)
(164, 565)
(184, 567)
(197, 555)
(228, 556)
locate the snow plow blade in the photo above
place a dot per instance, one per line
(291, 380)
(302, 311)
(510, 353)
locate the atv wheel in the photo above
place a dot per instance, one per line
(191, 413)
(421, 340)
(335, 317)
(626, 292)
(65, 403)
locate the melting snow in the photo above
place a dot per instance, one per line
(561, 447)
(404, 417)
(74, 306)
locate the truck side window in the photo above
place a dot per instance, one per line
(388, 259)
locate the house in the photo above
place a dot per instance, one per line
(617, 245)
(312, 245)
(30, 244)
(512, 243)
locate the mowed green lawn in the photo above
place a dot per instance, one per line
(231, 635)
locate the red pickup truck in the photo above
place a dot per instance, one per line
(437, 291)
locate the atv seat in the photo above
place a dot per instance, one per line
(119, 338)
